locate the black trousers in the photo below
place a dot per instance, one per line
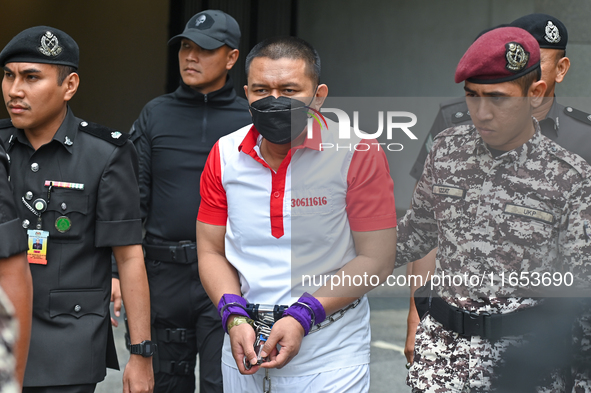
(178, 300)
(61, 389)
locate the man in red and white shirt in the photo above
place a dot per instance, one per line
(282, 212)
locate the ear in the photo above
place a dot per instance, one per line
(321, 94)
(232, 58)
(70, 85)
(562, 68)
(536, 93)
(246, 91)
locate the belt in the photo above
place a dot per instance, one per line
(483, 324)
(182, 252)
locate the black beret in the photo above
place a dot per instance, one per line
(41, 44)
(550, 32)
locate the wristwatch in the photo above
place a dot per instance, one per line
(146, 348)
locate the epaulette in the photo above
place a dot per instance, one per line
(578, 115)
(5, 123)
(573, 160)
(108, 134)
(463, 129)
(460, 117)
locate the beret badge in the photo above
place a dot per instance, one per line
(552, 33)
(516, 56)
(50, 45)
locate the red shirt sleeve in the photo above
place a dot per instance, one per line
(370, 190)
(214, 205)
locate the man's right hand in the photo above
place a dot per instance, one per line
(242, 342)
(412, 323)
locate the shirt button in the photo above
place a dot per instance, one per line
(34, 167)
(64, 206)
(26, 224)
(84, 124)
(29, 195)
(276, 194)
(77, 308)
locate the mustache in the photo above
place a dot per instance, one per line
(18, 103)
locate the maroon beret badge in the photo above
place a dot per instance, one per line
(516, 56)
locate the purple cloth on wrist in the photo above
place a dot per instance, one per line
(302, 314)
(315, 305)
(232, 309)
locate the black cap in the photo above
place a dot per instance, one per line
(211, 29)
(41, 44)
(550, 32)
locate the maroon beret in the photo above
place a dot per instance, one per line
(501, 55)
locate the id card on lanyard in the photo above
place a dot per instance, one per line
(37, 252)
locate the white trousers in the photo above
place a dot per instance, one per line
(350, 379)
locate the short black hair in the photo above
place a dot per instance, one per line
(528, 79)
(62, 73)
(287, 47)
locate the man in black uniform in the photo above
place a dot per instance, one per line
(75, 184)
(173, 135)
(567, 126)
(15, 280)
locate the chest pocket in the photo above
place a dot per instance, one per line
(311, 201)
(67, 215)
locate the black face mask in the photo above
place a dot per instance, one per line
(279, 120)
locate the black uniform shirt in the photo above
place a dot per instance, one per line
(71, 330)
(13, 241)
(173, 136)
(569, 127)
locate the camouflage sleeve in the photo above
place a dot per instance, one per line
(575, 235)
(417, 232)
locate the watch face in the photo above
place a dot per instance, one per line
(148, 348)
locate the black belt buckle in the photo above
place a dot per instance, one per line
(184, 252)
(476, 324)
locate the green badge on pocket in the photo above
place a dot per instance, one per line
(63, 224)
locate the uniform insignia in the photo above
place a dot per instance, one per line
(455, 192)
(68, 142)
(516, 56)
(460, 117)
(108, 134)
(63, 224)
(534, 214)
(552, 33)
(50, 45)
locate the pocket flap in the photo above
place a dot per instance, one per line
(76, 302)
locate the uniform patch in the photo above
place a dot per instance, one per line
(552, 33)
(534, 214)
(108, 134)
(455, 192)
(516, 56)
(50, 46)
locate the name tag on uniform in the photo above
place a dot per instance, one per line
(535, 214)
(37, 252)
(455, 192)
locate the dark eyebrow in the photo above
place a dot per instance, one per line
(487, 94)
(283, 86)
(27, 71)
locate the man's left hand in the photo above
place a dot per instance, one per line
(138, 376)
(288, 333)
(115, 299)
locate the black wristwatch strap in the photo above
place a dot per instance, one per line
(145, 348)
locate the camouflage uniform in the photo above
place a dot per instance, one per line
(474, 208)
(8, 332)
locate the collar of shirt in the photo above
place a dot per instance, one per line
(518, 155)
(68, 129)
(551, 125)
(222, 96)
